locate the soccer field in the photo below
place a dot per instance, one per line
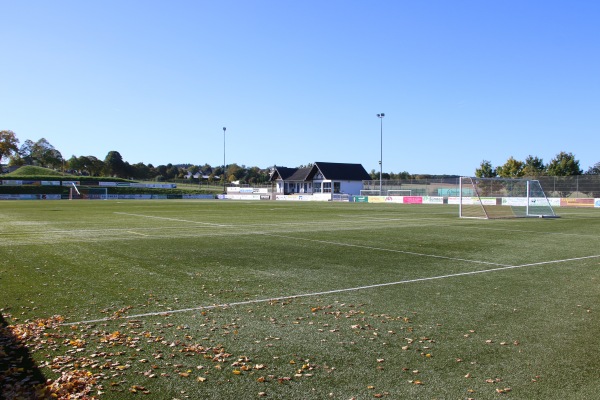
(281, 300)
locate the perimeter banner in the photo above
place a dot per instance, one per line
(568, 202)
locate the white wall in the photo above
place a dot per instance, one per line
(351, 187)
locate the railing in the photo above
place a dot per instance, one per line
(579, 186)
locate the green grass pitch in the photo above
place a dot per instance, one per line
(222, 299)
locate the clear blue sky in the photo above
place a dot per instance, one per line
(301, 81)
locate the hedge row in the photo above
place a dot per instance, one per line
(64, 190)
(61, 178)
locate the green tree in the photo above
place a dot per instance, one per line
(8, 144)
(172, 172)
(594, 169)
(16, 161)
(161, 170)
(305, 165)
(26, 152)
(534, 167)
(141, 171)
(511, 169)
(485, 170)
(564, 164)
(114, 164)
(95, 166)
(206, 169)
(74, 164)
(255, 175)
(49, 156)
(234, 172)
(86, 165)
(194, 169)
(40, 153)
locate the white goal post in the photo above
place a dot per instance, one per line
(491, 198)
(88, 193)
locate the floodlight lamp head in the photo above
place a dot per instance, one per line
(381, 115)
(224, 129)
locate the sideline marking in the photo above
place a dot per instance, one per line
(412, 253)
(137, 233)
(296, 296)
(171, 219)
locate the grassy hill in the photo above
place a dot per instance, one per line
(33, 173)
(29, 171)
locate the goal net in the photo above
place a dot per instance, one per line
(87, 193)
(491, 198)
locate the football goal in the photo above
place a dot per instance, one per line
(491, 198)
(88, 193)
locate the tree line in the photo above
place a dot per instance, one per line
(42, 153)
(563, 164)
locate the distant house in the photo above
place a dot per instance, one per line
(198, 175)
(322, 177)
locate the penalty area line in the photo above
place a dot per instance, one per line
(327, 292)
(170, 219)
(412, 253)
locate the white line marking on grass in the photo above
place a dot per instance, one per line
(171, 219)
(524, 231)
(558, 261)
(412, 253)
(353, 289)
(137, 233)
(470, 224)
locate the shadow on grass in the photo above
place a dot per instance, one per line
(19, 375)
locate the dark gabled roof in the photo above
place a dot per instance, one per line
(290, 174)
(282, 173)
(300, 174)
(339, 171)
(331, 171)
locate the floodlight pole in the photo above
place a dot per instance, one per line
(380, 116)
(224, 174)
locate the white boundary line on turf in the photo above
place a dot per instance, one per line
(412, 253)
(170, 219)
(296, 296)
(137, 233)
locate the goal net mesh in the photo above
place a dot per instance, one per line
(492, 198)
(88, 193)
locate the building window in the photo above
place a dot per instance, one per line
(326, 187)
(336, 187)
(316, 187)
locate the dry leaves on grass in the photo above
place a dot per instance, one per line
(21, 382)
